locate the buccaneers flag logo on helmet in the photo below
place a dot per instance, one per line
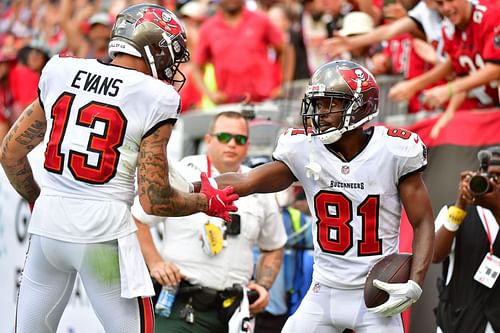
(161, 19)
(358, 78)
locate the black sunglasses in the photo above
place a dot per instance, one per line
(224, 137)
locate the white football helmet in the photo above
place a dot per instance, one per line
(155, 34)
(348, 82)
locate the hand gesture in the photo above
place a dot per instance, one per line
(394, 11)
(220, 202)
(443, 120)
(425, 51)
(217, 97)
(336, 46)
(401, 297)
(402, 91)
(436, 96)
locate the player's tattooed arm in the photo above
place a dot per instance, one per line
(26, 133)
(268, 267)
(156, 195)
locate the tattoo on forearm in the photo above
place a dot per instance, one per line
(269, 267)
(34, 133)
(153, 177)
(21, 177)
(19, 170)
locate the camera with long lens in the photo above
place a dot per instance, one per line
(479, 183)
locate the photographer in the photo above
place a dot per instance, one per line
(467, 243)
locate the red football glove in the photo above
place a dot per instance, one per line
(220, 202)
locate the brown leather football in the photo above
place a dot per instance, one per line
(394, 268)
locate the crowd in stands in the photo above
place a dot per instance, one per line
(251, 53)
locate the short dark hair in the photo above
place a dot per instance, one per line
(227, 114)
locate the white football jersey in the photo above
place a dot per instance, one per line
(97, 115)
(355, 204)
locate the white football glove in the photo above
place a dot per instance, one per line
(401, 297)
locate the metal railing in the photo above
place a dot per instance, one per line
(271, 116)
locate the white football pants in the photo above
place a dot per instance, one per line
(48, 279)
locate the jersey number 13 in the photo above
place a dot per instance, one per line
(105, 145)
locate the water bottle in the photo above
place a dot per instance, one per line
(166, 300)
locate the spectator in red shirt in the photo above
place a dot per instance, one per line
(236, 41)
(25, 76)
(6, 63)
(472, 44)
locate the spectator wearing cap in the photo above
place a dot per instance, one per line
(354, 24)
(87, 36)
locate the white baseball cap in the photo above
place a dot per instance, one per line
(101, 18)
(195, 10)
(356, 23)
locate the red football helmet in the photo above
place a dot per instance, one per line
(345, 81)
(154, 34)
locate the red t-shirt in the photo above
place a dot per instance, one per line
(406, 61)
(239, 54)
(190, 95)
(471, 48)
(24, 85)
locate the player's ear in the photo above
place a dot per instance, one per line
(208, 138)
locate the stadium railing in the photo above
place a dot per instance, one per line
(268, 118)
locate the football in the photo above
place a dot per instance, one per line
(394, 268)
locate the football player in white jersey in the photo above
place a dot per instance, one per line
(356, 181)
(100, 124)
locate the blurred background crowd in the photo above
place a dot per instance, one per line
(288, 40)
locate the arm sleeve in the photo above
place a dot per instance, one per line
(441, 217)
(139, 213)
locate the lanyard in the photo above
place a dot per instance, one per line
(487, 230)
(209, 168)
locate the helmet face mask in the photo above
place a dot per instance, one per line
(154, 34)
(343, 88)
(325, 111)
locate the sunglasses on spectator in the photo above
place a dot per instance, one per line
(224, 137)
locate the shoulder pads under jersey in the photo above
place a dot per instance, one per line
(404, 143)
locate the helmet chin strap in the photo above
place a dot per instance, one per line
(151, 61)
(332, 136)
(313, 169)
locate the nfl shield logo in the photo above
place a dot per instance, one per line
(345, 169)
